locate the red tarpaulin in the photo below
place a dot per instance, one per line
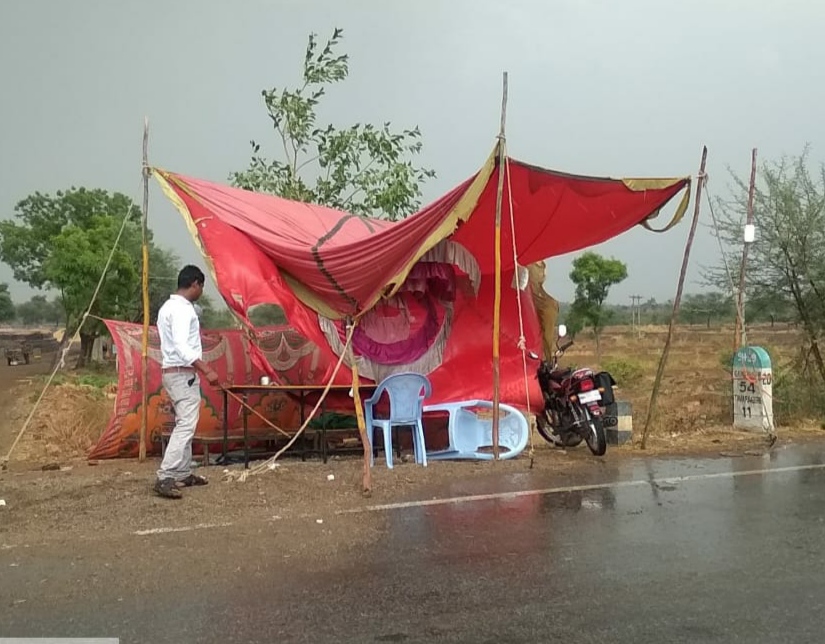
(422, 288)
(227, 354)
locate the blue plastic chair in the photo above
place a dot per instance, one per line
(469, 434)
(407, 392)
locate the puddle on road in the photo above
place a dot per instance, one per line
(638, 497)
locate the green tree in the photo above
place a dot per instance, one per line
(363, 169)
(40, 310)
(218, 316)
(786, 262)
(61, 242)
(215, 316)
(267, 315)
(593, 276)
(763, 305)
(706, 308)
(7, 311)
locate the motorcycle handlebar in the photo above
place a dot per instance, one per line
(560, 349)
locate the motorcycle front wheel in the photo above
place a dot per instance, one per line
(545, 429)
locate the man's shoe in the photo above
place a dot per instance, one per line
(167, 489)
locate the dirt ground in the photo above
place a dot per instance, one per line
(115, 496)
(82, 500)
(13, 380)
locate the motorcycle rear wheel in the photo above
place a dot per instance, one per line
(596, 439)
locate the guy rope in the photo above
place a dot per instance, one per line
(522, 341)
(270, 462)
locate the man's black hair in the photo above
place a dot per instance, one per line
(190, 275)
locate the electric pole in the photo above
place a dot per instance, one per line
(635, 311)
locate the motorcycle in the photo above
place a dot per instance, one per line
(574, 402)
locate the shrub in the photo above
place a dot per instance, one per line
(797, 396)
(624, 370)
(726, 359)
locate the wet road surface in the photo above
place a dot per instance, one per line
(658, 551)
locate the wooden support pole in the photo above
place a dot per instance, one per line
(359, 413)
(144, 349)
(651, 411)
(497, 299)
(741, 335)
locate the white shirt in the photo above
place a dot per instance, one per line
(180, 332)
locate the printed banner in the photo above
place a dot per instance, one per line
(295, 359)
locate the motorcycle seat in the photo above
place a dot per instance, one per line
(561, 374)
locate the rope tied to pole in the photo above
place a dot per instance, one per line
(522, 340)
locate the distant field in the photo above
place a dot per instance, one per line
(696, 391)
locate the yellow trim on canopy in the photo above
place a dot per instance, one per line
(309, 298)
(640, 185)
(164, 180)
(677, 216)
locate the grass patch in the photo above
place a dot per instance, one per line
(103, 381)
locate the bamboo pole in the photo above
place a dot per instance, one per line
(741, 335)
(359, 416)
(144, 348)
(654, 395)
(497, 299)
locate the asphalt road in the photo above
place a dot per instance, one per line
(665, 551)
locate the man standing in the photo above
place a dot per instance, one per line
(180, 346)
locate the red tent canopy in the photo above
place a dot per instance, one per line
(322, 265)
(341, 264)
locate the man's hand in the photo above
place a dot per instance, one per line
(209, 374)
(211, 377)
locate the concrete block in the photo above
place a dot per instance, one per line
(618, 422)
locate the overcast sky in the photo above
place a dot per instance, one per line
(604, 87)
